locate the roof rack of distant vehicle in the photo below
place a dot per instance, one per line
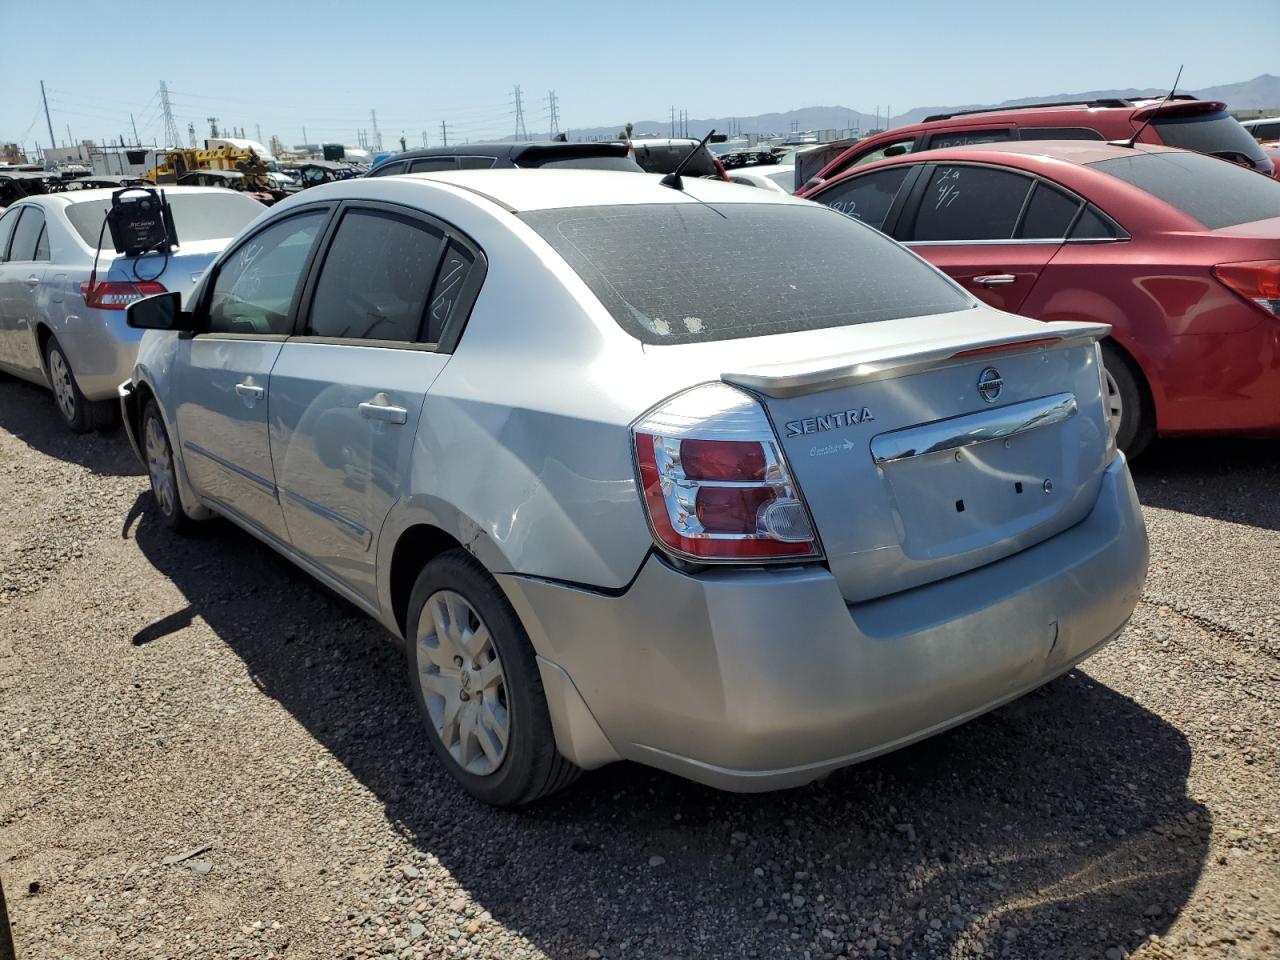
(1104, 102)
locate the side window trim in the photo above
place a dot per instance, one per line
(452, 235)
(901, 201)
(16, 211)
(25, 211)
(201, 309)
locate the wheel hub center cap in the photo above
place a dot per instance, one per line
(466, 681)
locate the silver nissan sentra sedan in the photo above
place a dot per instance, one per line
(713, 479)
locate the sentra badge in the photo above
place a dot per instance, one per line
(828, 421)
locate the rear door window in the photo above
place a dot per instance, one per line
(970, 203)
(390, 169)
(1214, 133)
(968, 138)
(688, 272)
(867, 197)
(1215, 192)
(27, 235)
(376, 278)
(1048, 215)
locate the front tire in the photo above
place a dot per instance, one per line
(1128, 402)
(475, 678)
(78, 412)
(163, 471)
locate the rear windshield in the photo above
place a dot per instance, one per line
(693, 272)
(1208, 133)
(666, 157)
(1215, 192)
(216, 215)
(625, 164)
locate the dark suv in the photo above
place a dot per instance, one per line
(1183, 121)
(483, 156)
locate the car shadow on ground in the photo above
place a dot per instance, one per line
(27, 412)
(1057, 826)
(1233, 480)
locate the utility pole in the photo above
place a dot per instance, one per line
(136, 141)
(71, 142)
(52, 142)
(377, 136)
(305, 141)
(673, 122)
(888, 116)
(258, 129)
(403, 145)
(553, 103)
(444, 133)
(191, 135)
(521, 133)
(171, 136)
(424, 138)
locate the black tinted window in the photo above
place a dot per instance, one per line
(1092, 225)
(7, 223)
(691, 272)
(375, 278)
(1215, 192)
(255, 285)
(1059, 133)
(1048, 215)
(390, 169)
(451, 281)
(1208, 133)
(967, 138)
(27, 235)
(868, 197)
(970, 203)
(433, 164)
(476, 163)
(625, 164)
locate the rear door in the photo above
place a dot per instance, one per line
(21, 275)
(221, 398)
(7, 224)
(992, 230)
(348, 391)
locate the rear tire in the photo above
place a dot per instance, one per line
(1128, 402)
(475, 678)
(78, 412)
(163, 471)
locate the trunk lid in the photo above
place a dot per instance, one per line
(179, 274)
(935, 448)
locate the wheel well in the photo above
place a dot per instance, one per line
(142, 394)
(1113, 345)
(415, 548)
(43, 336)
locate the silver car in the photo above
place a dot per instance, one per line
(59, 330)
(630, 484)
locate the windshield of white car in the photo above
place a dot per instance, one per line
(690, 273)
(196, 216)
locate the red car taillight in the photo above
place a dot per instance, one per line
(117, 294)
(1258, 281)
(716, 485)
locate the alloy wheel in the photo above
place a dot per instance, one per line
(463, 683)
(1114, 401)
(63, 390)
(160, 466)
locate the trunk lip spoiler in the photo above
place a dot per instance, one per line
(798, 377)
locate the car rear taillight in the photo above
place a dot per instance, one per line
(117, 294)
(1258, 281)
(716, 485)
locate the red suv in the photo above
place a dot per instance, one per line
(1183, 121)
(1178, 251)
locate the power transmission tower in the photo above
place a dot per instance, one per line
(171, 136)
(521, 132)
(377, 136)
(191, 135)
(213, 125)
(444, 133)
(553, 111)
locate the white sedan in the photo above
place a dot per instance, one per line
(778, 179)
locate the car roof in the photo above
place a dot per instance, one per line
(1072, 151)
(1183, 103)
(521, 190)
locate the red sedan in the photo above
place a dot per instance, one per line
(1178, 251)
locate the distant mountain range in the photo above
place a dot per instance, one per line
(1262, 91)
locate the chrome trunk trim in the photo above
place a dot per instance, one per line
(982, 427)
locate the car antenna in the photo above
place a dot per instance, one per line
(1154, 110)
(672, 179)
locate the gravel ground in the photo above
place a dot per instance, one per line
(201, 701)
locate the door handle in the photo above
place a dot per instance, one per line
(33, 281)
(250, 391)
(995, 280)
(381, 408)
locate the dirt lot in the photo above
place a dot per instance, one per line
(160, 696)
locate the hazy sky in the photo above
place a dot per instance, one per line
(324, 64)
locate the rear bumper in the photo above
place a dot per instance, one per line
(130, 416)
(761, 679)
(102, 349)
